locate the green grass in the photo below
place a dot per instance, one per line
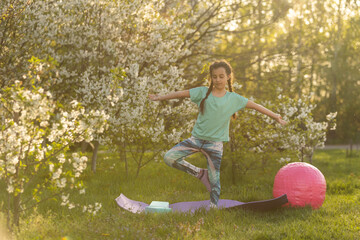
(338, 218)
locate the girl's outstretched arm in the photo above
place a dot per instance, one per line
(265, 111)
(173, 95)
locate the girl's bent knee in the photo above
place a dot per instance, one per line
(168, 159)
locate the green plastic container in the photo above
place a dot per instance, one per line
(156, 206)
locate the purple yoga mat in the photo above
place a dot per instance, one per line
(138, 207)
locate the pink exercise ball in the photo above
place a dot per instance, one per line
(303, 184)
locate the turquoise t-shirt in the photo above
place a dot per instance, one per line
(213, 125)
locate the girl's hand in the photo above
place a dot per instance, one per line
(154, 97)
(280, 120)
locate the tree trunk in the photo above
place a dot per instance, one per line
(233, 162)
(334, 68)
(288, 84)
(311, 80)
(311, 157)
(233, 171)
(259, 53)
(84, 146)
(94, 156)
(123, 157)
(16, 199)
(16, 212)
(8, 212)
(138, 169)
(299, 66)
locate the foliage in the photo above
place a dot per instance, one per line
(304, 134)
(98, 60)
(311, 49)
(36, 133)
(111, 54)
(256, 137)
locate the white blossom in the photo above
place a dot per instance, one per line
(51, 167)
(65, 200)
(331, 116)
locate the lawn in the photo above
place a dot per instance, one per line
(338, 218)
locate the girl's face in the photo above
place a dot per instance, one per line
(219, 78)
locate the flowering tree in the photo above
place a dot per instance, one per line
(256, 138)
(152, 46)
(111, 54)
(304, 134)
(35, 135)
(11, 40)
(145, 44)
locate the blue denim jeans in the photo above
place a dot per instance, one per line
(212, 151)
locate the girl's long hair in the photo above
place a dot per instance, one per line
(228, 69)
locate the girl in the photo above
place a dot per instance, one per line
(216, 106)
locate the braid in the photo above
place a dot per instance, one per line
(231, 89)
(202, 104)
